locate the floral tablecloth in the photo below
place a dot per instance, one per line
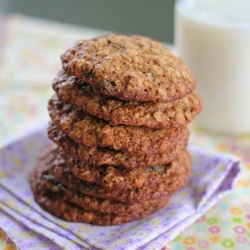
(30, 60)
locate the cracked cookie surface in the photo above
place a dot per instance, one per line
(130, 68)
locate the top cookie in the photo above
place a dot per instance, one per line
(129, 68)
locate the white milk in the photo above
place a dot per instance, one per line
(213, 39)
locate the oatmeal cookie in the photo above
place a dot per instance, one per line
(53, 204)
(165, 188)
(130, 68)
(70, 205)
(148, 114)
(120, 178)
(92, 131)
(105, 156)
(43, 182)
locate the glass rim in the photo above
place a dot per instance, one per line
(226, 24)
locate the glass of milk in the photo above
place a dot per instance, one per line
(213, 39)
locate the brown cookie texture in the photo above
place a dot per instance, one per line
(44, 183)
(73, 213)
(144, 193)
(98, 156)
(90, 203)
(129, 68)
(120, 178)
(148, 114)
(60, 201)
(92, 131)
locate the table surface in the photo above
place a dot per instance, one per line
(30, 59)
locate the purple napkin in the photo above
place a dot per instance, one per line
(29, 226)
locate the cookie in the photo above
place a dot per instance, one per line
(92, 131)
(100, 156)
(165, 188)
(130, 68)
(148, 114)
(44, 183)
(108, 176)
(73, 213)
(69, 205)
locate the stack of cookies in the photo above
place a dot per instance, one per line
(119, 126)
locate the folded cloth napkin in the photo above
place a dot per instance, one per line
(30, 227)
